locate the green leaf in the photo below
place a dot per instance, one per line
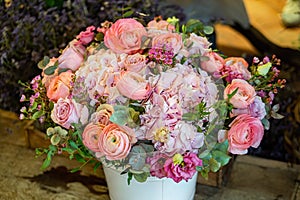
(47, 160)
(141, 177)
(62, 70)
(266, 123)
(43, 63)
(55, 139)
(79, 158)
(221, 157)
(214, 165)
(37, 114)
(208, 30)
(129, 178)
(50, 70)
(128, 13)
(123, 115)
(97, 165)
(229, 96)
(264, 69)
(75, 170)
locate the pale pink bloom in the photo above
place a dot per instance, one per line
(133, 86)
(85, 37)
(90, 136)
(102, 114)
(134, 63)
(23, 98)
(60, 86)
(182, 171)
(256, 109)
(172, 39)
(67, 111)
(72, 56)
(115, 141)
(156, 163)
(245, 131)
(244, 96)
(125, 36)
(160, 24)
(214, 63)
(197, 44)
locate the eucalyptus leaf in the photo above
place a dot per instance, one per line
(141, 177)
(50, 70)
(221, 157)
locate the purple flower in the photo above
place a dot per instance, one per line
(182, 167)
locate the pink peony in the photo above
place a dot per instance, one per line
(133, 86)
(85, 37)
(182, 168)
(60, 86)
(115, 141)
(245, 131)
(245, 94)
(214, 64)
(72, 56)
(90, 136)
(172, 39)
(125, 36)
(66, 112)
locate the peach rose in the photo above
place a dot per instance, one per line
(90, 136)
(245, 132)
(135, 62)
(245, 94)
(214, 64)
(72, 56)
(59, 86)
(125, 36)
(67, 111)
(160, 24)
(239, 66)
(102, 114)
(173, 39)
(133, 86)
(115, 141)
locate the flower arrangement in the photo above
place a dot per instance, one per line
(151, 100)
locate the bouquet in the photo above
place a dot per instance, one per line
(151, 100)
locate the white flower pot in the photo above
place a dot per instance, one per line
(153, 189)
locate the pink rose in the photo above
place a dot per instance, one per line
(115, 141)
(90, 136)
(160, 24)
(236, 69)
(245, 94)
(182, 168)
(245, 132)
(66, 112)
(172, 39)
(133, 86)
(85, 37)
(135, 62)
(125, 36)
(214, 64)
(72, 56)
(60, 86)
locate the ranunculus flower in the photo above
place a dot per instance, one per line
(214, 63)
(125, 36)
(67, 111)
(85, 37)
(115, 141)
(102, 114)
(160, 24)
(245, 131)
(72, 56)
(245, 94)
(133, 86)
(172, 39)
(59, 86)
(90, 136)
(256, 109)
(134, 63)
(182, 167)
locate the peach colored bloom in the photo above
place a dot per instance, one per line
(238, 66)
(72, 56)
(135, 62)
(173, 39)
(245, 132)
(59, 86)
(102, 114)
(90, 136)
(125, 36)
(159, 24)
(133, 86)
(245, 94)
(214, 63)
(115, 141)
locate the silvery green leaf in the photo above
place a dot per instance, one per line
(266, 123)
(276, 115)
(275, 108)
